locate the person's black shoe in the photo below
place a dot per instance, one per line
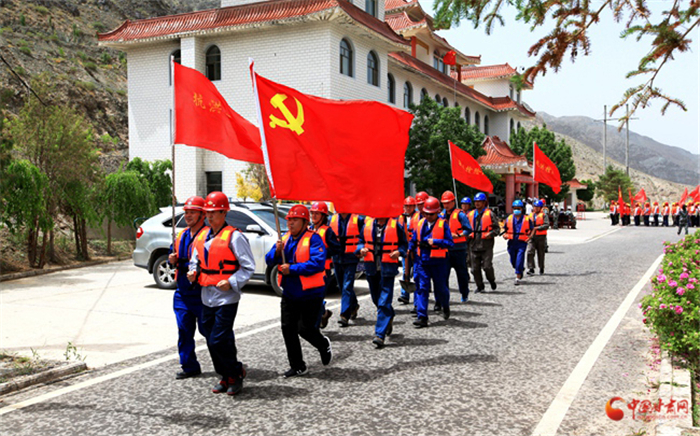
(325, 317)
(531, 272)
(295, 372)
(183, 374)
(446, 313)
(378, 342)
(221, 387)
(404, 300)
(541, 271)
(414, 310)
(479, 290)
(437, 308)
(493, 286)
(421, 322)
(390, 327)
(343, 322)
(326, 353)
(353, 315)
(235, 385)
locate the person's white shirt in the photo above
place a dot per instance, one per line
(528, 209)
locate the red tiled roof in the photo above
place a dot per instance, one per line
(234, 16)
(576, 185)
(498, 153)
(495, 103)
(390, 5)
(402, 21)
(488, 72)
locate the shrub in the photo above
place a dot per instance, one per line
(90, 66)
(61, 52)
(5, 30)
(88, 86)
(77, 33)
(21, 71)
(672, 310)
(83, 57)
(121, 92)
(106, 58)
(99, 26)
(26, 50)
(22, 20)
(41, 9)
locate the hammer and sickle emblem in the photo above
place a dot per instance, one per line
(292, 123)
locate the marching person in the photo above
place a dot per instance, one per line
(382, 242)
(303, 281)
(655, 212)
(691, 214)
(347, 227)
(466, 205)
(647, 213)
(538, 239)
(637, 214)
(319, 224)
(420, 203)
(431, 239)
(675, 211)
(457, 221)
(613, 212)
(482, 229)
(683, 219)
(518, 229)
(222, 262)
(555, 216)
(187, 300)
(665, 212)
(408, 220)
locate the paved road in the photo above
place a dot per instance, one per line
(492, 369)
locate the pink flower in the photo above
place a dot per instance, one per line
(684, 276)
(679, 310)
(644, 320)
(662, 306)
(672, 283)
(670, 264)
(691, 286)
(640, 305)
(661, 278)
(680, 291)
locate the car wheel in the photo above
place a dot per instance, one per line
(164, 273)
(273, 280)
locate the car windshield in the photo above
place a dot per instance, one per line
(268, 216)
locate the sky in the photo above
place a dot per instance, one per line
(583, 87)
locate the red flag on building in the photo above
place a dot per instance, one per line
(204, 119)
(450, 58)
(641, 196)
(695, 194)
(684, 197)
(466, 169)
(545, 171)
(351, 153)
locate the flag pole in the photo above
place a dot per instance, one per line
(454, 184)
(172, 141)
(266, 156)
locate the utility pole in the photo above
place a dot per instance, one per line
(605, 138)
(627, 151)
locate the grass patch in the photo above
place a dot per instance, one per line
(5, 30)
(88, 86)
(106, 58)
(43, 10)
(121, 92)
(21, 71)
(99, 26)
(26, 50)
(90, 66)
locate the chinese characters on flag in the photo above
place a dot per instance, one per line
(545, 171)
(467, 170)
(204, 119)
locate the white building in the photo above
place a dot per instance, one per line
(362, 49)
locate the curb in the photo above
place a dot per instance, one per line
(42, 377)
(39, 272)
(675, 384)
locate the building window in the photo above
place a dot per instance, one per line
(346, 58)
(477, 121)
(213, 181)
(372, 69)
(391, 88)
(456, 104)
(486, 124)
(407, 95)
(512, 126)
(467, 116)
(438, 99)
(423, 94)
(512, 92)
(371, 7)
(518, 126)
(214, 63)
(445, 103)
(177, 58)
(438, 64)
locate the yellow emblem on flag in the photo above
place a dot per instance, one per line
(292, 123)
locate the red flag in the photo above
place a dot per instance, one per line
(695, 194)
(684, 197)
(204, 119)
(545, 171)
(620, 200)
(349, 152)
(467, 170)
(641, 196)
(450, 58)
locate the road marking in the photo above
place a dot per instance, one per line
(609, 232)
(132, 369)
(553, 417)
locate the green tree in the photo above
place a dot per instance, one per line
(126, 196)
(522, 142)
(570, 23)
(608, 184)
(428, 154)
(157, 174)
(588, 193)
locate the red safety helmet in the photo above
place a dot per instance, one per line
(421, 197)
(320, 206)
(409, 201)
(194, 203)
(299, 211)
(216, 201)
(432, 205)
(447, 196)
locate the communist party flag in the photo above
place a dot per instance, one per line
(545, 170)
(467, 170)
(641, 196)
(351, 153)
(450, 58)
(204, 119)
(695, 194)
(684, 197)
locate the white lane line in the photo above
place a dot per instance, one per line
(131, 369)
(553, 417)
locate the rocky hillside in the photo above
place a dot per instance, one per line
(57, 39)
(646, 154)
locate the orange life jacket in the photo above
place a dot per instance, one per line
(183, 262)
(647, 211)
(612, 208)
(486, 223)
(303, 254)
(674, 210)
(222, 262)
(390, 240)
(456, 226)
(539, 221)
(655, 211)
(524, 228)
(438, 232)
(637, 211)
(352, 231)
(322, 233)
(665, 210)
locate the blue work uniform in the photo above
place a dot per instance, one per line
(380, 275)
(187, 304)
(516, 247)
(430, 268)
(345, 265)
(458, 252)
(332, 249)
